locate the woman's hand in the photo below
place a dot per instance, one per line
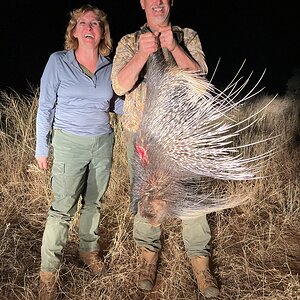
(42, 162)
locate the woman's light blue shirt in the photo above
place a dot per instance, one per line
(72, 101)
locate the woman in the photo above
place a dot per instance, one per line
(74, 104)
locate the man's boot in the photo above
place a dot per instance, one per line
(48, 285)
(206, 282)
(93, 262)
(148, 269)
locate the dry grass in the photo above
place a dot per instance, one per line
(256, 246)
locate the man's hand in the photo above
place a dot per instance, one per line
(42, 162)
(166, 38)
(148, 44)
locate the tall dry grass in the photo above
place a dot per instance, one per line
(256, 246)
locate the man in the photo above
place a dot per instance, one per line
(181, 47)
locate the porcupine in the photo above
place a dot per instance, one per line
(184, 141)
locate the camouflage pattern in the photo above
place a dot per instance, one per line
(134, 99)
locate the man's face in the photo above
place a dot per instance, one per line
(157, 11)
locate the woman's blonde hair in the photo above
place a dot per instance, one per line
(71, 43)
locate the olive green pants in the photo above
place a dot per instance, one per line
(196, 232)
(81, 167)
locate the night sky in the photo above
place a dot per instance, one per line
(264, 33)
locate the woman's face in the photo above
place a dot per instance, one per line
(88, 30)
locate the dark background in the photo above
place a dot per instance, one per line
(264, 33)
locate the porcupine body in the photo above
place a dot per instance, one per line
(185, 141)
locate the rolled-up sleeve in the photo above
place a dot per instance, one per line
(192, 42)
(124, 53)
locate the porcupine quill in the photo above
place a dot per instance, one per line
(185, 141)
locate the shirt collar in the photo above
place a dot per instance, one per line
(102, 61)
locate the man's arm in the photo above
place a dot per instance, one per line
(195, 62)
(127, 65)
